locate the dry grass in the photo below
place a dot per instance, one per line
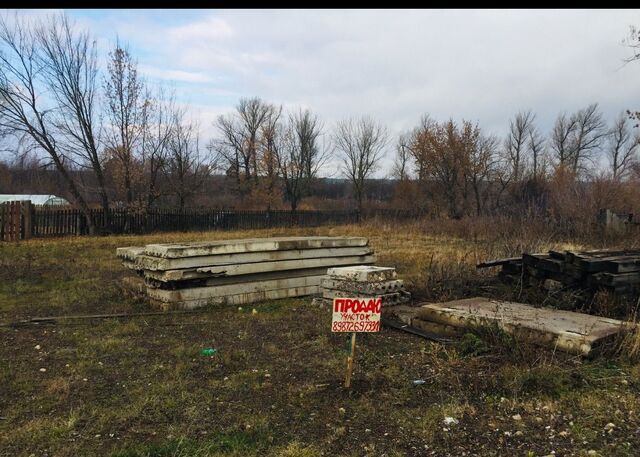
(137, 387)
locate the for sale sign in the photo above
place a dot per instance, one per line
(356, 314)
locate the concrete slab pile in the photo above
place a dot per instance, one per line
(190, 275)
(364, 281)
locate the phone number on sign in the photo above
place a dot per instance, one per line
(355, 326)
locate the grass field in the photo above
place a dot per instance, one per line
(138, 386)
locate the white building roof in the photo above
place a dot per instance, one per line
(36, 199)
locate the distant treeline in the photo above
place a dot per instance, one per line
(106, 137)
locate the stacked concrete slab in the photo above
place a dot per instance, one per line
(364, 281)
(190, 275)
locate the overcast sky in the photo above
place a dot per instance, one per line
(394, 65)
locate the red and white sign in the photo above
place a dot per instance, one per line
(356, 314)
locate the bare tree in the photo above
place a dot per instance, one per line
(126, 111)
(400, 170)
(536, 144)
(240, 140)
(361, 142)
(300, 154)
(253, 113)
(588, 135)
(158, 128)
(70, 64)
(622, 147)
(515, 145)
(562, 139)
(482, 164)
(230, 147)
(269, 141)
(24, 112)
(184, 168)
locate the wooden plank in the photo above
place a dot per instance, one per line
(497, 262)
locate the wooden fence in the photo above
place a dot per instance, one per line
(16, 221)
(43, 222)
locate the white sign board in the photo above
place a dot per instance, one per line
(356, 314)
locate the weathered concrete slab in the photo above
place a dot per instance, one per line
(382, 287)
(219, 247)
(260, 267)
(240, 299)
(145, 262)
(387, 299)
(368, 273)
(129, 253)
(565, 330)
(207, 292)
(224, 280)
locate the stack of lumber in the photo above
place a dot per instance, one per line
(617, 271)
(190, 275)
(566, 331)
(364, 282)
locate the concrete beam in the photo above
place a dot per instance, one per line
(291, 267)
(179, 250)
(370, 288)
(224, 280)
(363, 273)
(207, 292)
(239, 299)
(145, 262)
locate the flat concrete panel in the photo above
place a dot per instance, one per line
(179, 250)
(388, 299)
(223, 280)
(129, 253)
(200, 293)
(260, 267)
(145, 262)
(382, 287)
(565, 330)
(240, 299)
(369, 273)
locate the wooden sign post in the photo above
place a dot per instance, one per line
(355, 315)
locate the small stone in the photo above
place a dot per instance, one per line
(85, 379)
(609, 426)
(519, 433)
(591, 452)
(367, 430)
(624, 382)
(507, 433)
(516, 417)
(450, 420)
(563, 434)
(37, 347)
(43, 370)
(342, 410)
(267, 375)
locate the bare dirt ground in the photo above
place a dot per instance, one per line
(139, 387)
